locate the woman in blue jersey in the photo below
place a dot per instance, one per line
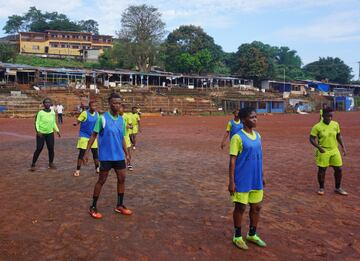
(110, 129)
(246, 177)
(87, 120)
(232, 127)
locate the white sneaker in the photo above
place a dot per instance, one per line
(98, 170)
(77, 173)
(130, 167)
(340, 191)
(134, 148)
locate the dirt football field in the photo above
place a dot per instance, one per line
(178, 192)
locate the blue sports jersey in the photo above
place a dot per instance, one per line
(248, 166)
(87, 126)
(111, 138)
(235, 128)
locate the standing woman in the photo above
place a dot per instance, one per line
(232, 128)
(246, 178)
(110, 129)
(135, 122)
(87, 120)
(325, 136)
(45, 125)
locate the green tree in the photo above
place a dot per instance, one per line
(190, 40)
(205, 61)
(14, 24)
(121, 55)
(7, 52)
(37, 21)
(106, 60)
(187, 63)
(228, 63)
(255, 61)
(142, 31)
(89, 26)
(288, 60)
(117, 57)
(330, 69)
(261, 61)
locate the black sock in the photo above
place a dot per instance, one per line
(237, 231)
(252, 231)
(95, 199)
(120, 199)
(78, 167)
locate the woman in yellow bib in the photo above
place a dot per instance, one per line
(128, 128)
(325, 136)
(135, 122)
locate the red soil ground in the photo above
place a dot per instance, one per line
(178, 192)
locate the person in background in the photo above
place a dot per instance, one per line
(53, 108)
(87, 120)
(138, 110)
(232, 128)
(325, 137)
(134, 120)
(324, 106)
(45, 125)
(60, 110)
(128, 127)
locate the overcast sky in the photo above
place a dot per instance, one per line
(314, 28)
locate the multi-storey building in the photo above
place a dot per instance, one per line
(62, 43)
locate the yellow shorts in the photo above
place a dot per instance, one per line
(83, 142)
(252, 197)
(328, 158)
(127, 141)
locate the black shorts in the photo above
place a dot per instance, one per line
(108, 165)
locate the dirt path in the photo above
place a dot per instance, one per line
(178, 192)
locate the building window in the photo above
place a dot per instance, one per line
(38, 38)
(35, 47)
(250, 104)
(63, 46)
(75, 47)
(262, 105)
(277, 105)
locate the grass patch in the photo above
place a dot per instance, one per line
(53, 62)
